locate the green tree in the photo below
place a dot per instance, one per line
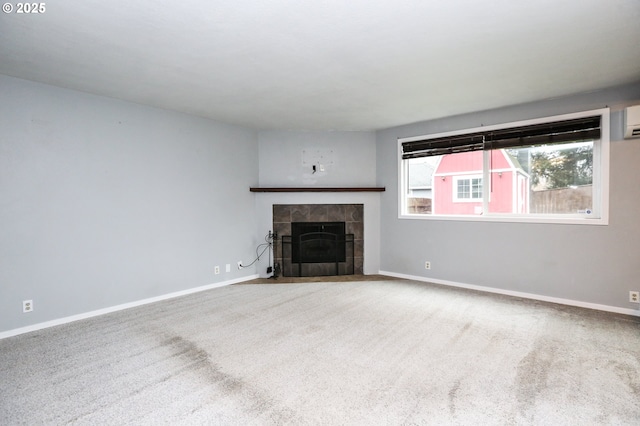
(563, 167)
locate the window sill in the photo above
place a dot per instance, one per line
(573, 220)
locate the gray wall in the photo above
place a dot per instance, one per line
(591, 264)
(104, 202)
(281, 158)
(354, 164)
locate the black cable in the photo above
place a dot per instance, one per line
(267, 244)
(258, 255)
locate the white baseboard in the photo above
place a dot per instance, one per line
(557, 300)
(65, 320)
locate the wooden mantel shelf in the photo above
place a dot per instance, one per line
(319, 189)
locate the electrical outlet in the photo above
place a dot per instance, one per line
(216, 270)
(27, 306)
(427, 265)
(634, 296)
(240, 264)
(227, 268)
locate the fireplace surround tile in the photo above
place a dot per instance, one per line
(354, 212)
(318, 213)
(300, 212)
(355, 228)
(281, 213)
(336, 213)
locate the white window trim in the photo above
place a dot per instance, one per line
(468, 177)
(600, 174)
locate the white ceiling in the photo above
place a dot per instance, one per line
(326, 64)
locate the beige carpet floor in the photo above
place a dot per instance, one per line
(383, 352)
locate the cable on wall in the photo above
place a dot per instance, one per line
(270, 240)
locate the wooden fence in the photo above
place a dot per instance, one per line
(562, 200)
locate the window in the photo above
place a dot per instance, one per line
(468, 189)
(545, 170)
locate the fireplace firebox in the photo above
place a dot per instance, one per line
(317, 242)
(318, 248)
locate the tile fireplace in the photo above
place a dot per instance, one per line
(319, 239)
